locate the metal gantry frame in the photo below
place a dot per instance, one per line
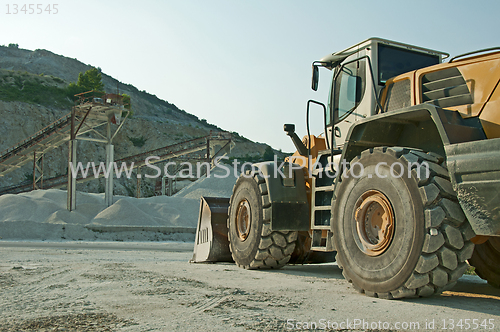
(99, 109)
(91, 111)
(37, 170)
(211, 146)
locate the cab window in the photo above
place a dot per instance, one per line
(348, 89)
(393, 61)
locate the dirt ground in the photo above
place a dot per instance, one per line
(113, 286)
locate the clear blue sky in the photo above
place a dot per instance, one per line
(242, 65)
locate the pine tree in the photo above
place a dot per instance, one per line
(91, 80)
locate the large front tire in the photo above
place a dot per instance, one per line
(397, 235)
(252, 243)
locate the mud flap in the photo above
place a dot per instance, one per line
(475, 174)
(211, 243)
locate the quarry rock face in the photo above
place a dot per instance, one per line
(155, 123)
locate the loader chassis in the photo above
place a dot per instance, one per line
(394, 237)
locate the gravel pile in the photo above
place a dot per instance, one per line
(42, 214)
(216, 185)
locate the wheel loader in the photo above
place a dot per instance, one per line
(402, 186)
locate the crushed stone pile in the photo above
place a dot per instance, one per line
(42, 214)
(215, 185)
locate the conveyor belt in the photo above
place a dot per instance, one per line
(185, 151)
(88, 116)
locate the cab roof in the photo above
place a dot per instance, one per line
(332, 60)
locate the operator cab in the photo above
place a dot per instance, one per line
(360, 73)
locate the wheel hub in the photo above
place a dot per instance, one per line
(243, 220)
(374, 222)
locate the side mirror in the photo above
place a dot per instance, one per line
(290, 131)
(315, 78)
(289, 128)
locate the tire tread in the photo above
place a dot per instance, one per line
(443, 256)
(275, 247)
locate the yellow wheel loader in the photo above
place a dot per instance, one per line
(403, 185)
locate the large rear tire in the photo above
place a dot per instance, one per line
(486, 260)
(252, 243)
(397, 235)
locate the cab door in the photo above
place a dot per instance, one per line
(346, 99)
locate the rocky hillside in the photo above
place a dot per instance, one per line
(155, 122)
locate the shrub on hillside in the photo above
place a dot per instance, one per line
(138, 141)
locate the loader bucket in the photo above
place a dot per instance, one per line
(211, 243)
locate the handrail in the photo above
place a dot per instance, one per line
(475, 52)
